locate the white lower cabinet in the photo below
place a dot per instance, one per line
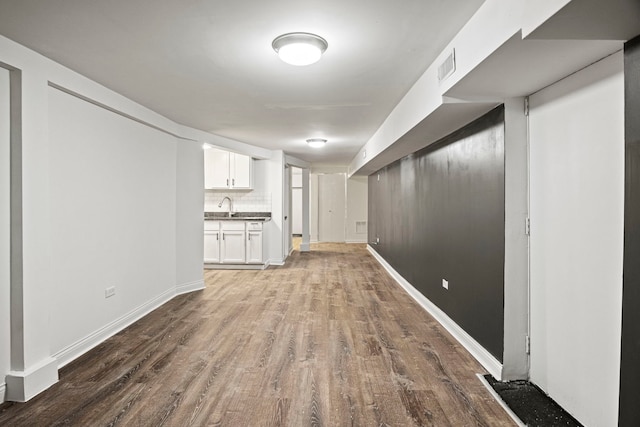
(212, 241)
(254, 243)
(232, 245)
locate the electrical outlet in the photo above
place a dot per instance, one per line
(445, 284)
(109, 292)
(377, 240)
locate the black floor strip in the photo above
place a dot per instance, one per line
(531, 405)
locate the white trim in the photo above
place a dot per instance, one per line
(3, 392)
(185, 288)
(80, 347)
(279, 262)
(498, 399)
(23, 385)
(486, 359)
(356, 241)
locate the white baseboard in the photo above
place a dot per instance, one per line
(486, 359)
(23, 385)
(276, 262)
(3, 392)
(185, 288)
(356, 241)
(80, 347)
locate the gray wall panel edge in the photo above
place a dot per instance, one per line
(629, 410)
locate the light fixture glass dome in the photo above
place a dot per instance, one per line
(316, 142)
(299, 48)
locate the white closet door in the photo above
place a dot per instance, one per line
(577, 212)
(331, 207)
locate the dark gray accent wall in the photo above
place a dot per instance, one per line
(630, 360)
(439, 214)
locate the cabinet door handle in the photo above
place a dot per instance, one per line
(233, 182)
(249, 236)
(217, 236)
(222, 236)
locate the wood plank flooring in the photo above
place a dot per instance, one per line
(328, 339)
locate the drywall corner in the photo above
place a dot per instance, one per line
(516, 251)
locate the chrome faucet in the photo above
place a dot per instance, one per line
(230, 204)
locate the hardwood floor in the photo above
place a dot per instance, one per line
(327, 339)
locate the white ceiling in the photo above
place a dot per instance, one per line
(208, 64)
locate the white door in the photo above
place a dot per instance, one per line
(4, 227)
(577, 212)
(331, 207)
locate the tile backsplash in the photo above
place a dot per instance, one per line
(252, 201)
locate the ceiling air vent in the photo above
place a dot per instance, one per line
(447, 67)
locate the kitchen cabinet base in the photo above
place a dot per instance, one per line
(211, 266)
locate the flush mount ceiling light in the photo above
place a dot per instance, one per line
(316, 142)
(299, 48)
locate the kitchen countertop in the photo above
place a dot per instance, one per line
(238, 216)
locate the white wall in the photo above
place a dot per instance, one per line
(495, 22)
(113, 215)
(269, 179)
(515, 360)
(357, 194)
(189, 208)
(5, 338)
(577, 201)
(100, 196)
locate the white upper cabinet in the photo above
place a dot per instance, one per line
(216, 168)
(241, 171)
(224, 170)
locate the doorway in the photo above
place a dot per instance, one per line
(296, 203)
